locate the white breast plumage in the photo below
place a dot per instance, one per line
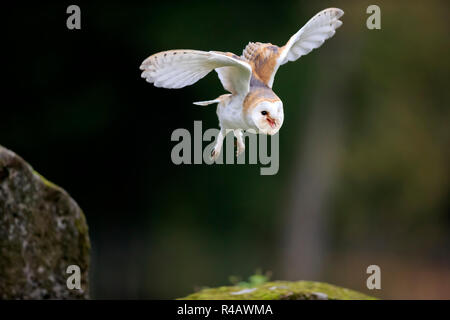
(230, 114)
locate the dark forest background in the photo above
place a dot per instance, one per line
(364, 149)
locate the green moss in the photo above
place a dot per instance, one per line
(83, 233)
(80, 223)
(46, 182)
(280, 290)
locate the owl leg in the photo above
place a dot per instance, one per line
(218, 146)
(240, 142)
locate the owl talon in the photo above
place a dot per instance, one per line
(214, 154)
(240, 149)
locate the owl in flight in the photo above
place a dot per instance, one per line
(251, 103)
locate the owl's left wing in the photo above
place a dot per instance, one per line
(180, 68)
(311, 36)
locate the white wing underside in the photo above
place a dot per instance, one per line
(180, 68)
(312, 35)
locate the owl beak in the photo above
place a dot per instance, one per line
(271, 122)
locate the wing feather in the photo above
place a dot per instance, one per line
(266, 58)
(180, 68)
(313, 34)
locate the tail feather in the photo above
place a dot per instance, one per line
(205, 103)
(217, 100)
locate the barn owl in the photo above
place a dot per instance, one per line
(250, 103)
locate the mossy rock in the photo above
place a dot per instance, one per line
(42, 232)
(280, 290)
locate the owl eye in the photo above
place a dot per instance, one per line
(263, 113)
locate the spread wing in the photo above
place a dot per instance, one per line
(313, 34)
(180, 68)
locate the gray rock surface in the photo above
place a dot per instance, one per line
(42, 232)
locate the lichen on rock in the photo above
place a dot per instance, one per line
(42, 232)
(280, 290)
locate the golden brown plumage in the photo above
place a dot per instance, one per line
(263, 59)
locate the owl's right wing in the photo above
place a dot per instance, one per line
(180, 68)
(313, 34)
(266, 58)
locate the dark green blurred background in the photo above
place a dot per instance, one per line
(364, 149)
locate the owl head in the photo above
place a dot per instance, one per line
(268, 116)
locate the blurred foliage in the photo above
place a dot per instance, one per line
(394, 171)
(254, 280)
